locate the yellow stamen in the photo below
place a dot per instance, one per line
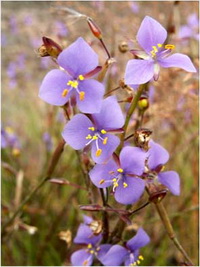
(102, 181)
(88, 136)
(9, 130)
(73, 84)
(159, 45)
(114, 180)
(141, 257)
(155, 48)
(98, 152)
(153, 53)
(115, 184)
(95, 137)
(163, 167)
(91, 128)
(120, 170)
(169, 46)
(105, 140)
(89, 246)
(103, 131)
(125, 185)
(81, 95)
(65, 92)
(92, 251)
(81, 77)
(15, 152)
(85, 263)
(97, 249)
(138, 262)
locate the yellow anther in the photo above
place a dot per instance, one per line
(81, 77)
(73, 84)
(95, 137)
(89, 246)
(65, 92)
(81, 95)
(169, 46)
(15, 152)
(138, 262)
(103, 131)
(98, 152)
(120, 170)
(163, 167)
(159, 45)
(92, 251)
(155, 48)
(105, 140)
(91, 128)
(115, 184)
(134, 264)
(125, 185)
(141, 257)
(102, 181)
(88, 136)
(9, 130)
(153, 53)
(114, 180)
(85, 263)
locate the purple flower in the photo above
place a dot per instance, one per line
(61, 28)
(157, 157)
(85, 236)
(122, 175)
(151, 37)
(190, 29)
(129, 255)
(95, 130)
(77, 63)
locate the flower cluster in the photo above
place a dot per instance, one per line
(128, 170)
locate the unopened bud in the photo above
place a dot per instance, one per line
(156, 197)
(143, 103)
(49, 48)
(94, 28)
(123, 47)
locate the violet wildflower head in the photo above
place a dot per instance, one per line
(85, 236)
(129, 255)
(77, 63)
(96, 130)
(151, 37)
(157, 157)
(122, 175)
(190, 30)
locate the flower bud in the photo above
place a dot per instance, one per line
(94, 28)
(123, 47)
(49, 48)
(143, 103)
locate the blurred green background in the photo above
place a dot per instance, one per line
(34, 237)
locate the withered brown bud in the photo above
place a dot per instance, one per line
(96, 226)
(123, 47)
(156, 197)
(94, 28)
(49, 48)
(142, 137)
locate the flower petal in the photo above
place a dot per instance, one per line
(131, 193)
(103, 250)
(110, 116)
(102, 172)
(81, 258)
(107, 150)
(79, 58)
(158, 155)
(141, 239)
(171, 180)
(93, 97)
(85, 236)
(179, 61)
(76, 130)
(52, 88)
(87, 219)
(150, 33)
(115, 256)
(132, 160)
(139, 71)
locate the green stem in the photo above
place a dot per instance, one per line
(170, 231)
(53, 163)
(105, 217)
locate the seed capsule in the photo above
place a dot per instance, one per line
(49, 48)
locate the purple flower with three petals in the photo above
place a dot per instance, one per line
(85, 236)
(122, 175)
(190, 30)
(157, 157)
(77, 62)
(129, 255)
(96, 129)
(151, 37)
